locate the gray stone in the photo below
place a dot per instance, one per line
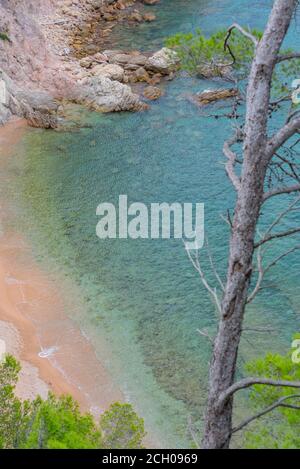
(105, 95)
(164, 61)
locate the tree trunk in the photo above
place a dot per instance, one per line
(218, 418)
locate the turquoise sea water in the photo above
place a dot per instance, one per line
(142, 298)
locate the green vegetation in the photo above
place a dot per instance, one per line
(4, 37)
(58, 423)
(199, 54)
(281, 427)
(208, 57)
(121, 427)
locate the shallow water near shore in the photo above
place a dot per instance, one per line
(143, 301)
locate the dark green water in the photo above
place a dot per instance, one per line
(143, 299)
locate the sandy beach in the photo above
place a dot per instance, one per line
(34, 319)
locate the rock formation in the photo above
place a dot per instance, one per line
(44, 58)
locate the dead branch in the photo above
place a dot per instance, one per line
(282, 234)
(262, 271)
(192, 432)
(280, 191)
(258, 329)
(281, 215)
(243, 31)
(227, 219)
(260, 277)
(279, 139)
(284, 57)
(212, 291)
(204, 333)
(213, 267)
(232, 160)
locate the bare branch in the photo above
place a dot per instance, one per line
(242, 31)
(260, 277)
(232, 160)
(204, 333)
(262, 271)
(248, 382)
(278, 403)
(279, 258)
(284, 57)
(282, 234)
(286, 132)
(195, 262)
(290, 406)
(268, 236)
(192, 432)
(280, 191)
(282, 215)
(258, 329)
(227, 219)
(213, 267)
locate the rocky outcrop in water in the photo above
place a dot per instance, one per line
(43, 59)
(211, 96)
(38, 107)
(164, 61)
(102, 94)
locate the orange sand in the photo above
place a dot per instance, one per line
(32, 308)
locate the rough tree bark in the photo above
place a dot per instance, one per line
(257, 152)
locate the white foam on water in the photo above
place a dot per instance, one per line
(48, 352)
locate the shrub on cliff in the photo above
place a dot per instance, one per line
(57, 422)
(4, 37)
(278, 429)
(207, 56)
(121, 427)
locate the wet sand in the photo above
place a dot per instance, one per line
(35, 319)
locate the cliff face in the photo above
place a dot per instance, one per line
(26, 56)
(30, 74)
(41, 44)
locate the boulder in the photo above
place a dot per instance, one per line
(149, 17)
(152, 93)
(209, 71)
(140, 75)
(164, 61)
(135, 16)
(112, 71)
(128, 59)
(210, 96)
(150, 2)
(38, 107)
(105, 95)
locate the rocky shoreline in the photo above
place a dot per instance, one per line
(53, 52)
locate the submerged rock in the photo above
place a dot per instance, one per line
(210, 96)
(152, 92)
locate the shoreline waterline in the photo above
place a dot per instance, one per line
(32, 313)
